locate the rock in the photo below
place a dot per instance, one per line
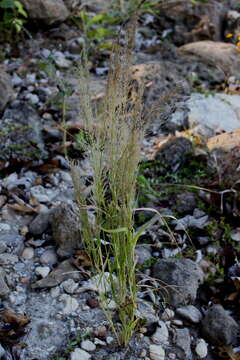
(47, 11)
(12, 240)
(79, 354)
(21, 134)
(190, 313)
(39, 224)
(88, 345)
(62, 62)
(156, 352)
(186, 203)
(214, 113)
(2, 351)
(190, 221)
(8, 259)
(66, 228)
(42, 194)
(173, 153)
(49, 257)
(206, 20)
(109, 340)
(6, 90)
(70, 286)
(100, 284)
(160, 337)
(64, 271)
(46, 333)
(70, 304)
(201, 348)
(28, 253)
(143, 253)
(222, 55)
(219, 327)
(4, 289)
(72, 4)
(182, 277)
(145, 311)
(43, 271)
(32, 98)
(168, 314)
(183, 344)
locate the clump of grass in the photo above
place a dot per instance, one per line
(115, 132)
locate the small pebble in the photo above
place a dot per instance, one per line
(156, 352)
(93, 303)
(109, 340)
(143, 353)
(201, 348)
(88, 345)
(168, 314)
(28, 253)
(79, 354)
(33, 98)
(49, 257)
(69, 286)
(101, 332)
(99, 342)
(43, 271)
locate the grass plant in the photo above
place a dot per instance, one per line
(115, 131)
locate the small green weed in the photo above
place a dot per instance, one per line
(12, 18)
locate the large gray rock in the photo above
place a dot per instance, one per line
(181, 277)
(213, 114)
(219, 54)
(47, 334)
(219, 327)
(21, 134)
(46, 11)
(206, 20)
(6, 90)
(66, 228)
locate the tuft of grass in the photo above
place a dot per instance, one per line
(115, 133)
(115, 129)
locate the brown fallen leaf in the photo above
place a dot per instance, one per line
(13, 327)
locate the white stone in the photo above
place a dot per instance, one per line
(160, 337)
(219, 112)
(43, 271)
(156, 352)
(109, 340)
(70, 304)
(99, 342)
(201, 348)
(62, 62)
(70, 286)
(33, 98)
(88, 345)
(28, 253)
(98, 283)
(79, 354)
